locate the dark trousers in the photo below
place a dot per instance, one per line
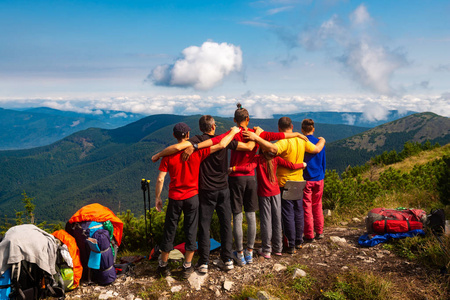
(293, 220)
(189, 207)
(220, 201)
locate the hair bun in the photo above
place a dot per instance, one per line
(239, 105)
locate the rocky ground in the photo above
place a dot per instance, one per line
(334, 254)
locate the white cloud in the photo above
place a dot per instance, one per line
(259, 106)
(200, 67)
(354, 44)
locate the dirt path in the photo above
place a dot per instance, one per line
(321, 259)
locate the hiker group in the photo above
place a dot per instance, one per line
(287, 190)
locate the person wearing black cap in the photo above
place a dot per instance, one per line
(183, 196)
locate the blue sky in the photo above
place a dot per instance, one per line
(190, 57)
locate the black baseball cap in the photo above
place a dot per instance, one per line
(181, 127)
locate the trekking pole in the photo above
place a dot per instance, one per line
(144, 188)
(150, 212)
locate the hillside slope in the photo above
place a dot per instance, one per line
(360, 148)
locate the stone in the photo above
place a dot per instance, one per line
(197, 280)
(130, 297)
(338, 240)
(356, 220)
(107, 295)
(299, 273)
(263, 295)
(176, 289)
(344, 268)
(227, 285)
(327, 213)
(279, 267)
(170, 280)
(343, 223)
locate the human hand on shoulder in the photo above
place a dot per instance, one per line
(187, 153)
(303, 137)
(235, 129)
(250, 135)
(155, 157)
(322, 139)
(258, 130)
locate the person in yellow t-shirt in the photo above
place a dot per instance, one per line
(292, 150)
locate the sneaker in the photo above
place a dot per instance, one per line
(228, 265)
(266, 255)
(187, 271)
(163, 271)
(202, 269)
(291, 250)
(308, 240)
(248, 256)
(319, 236)
(239, 258)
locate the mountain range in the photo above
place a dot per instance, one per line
(34, 127)
(107, 165)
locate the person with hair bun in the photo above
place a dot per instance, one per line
(243, 186)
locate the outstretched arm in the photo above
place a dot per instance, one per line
(171, 150)
(158, 190)
(265, 145)
(318, 147)
(226, 140)
(288, 135)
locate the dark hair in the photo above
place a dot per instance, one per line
(205, 123)
(307, 125)
(179, 135)
(268, 159)
(240, 114)
(284, 123)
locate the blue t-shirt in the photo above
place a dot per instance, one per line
(315, 170)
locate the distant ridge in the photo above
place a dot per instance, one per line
(360, 148)
(348, 118)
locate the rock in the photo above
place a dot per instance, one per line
(197, 281)
(366, 259)
(344, 268)
(130, 297)
(218, 294)
(327, 213)
(338, 240)
(344, 223)
(299, 273)
(227, 285)
(263, 295)
(107, 295)
(278, 267)
(170, 280)
(176, 289)
(356, 220)
(322, 264)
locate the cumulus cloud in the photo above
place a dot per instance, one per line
(374, 112)
(201, 67)
(349, 119)
(354, 44)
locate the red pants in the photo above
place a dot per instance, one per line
(312, 206)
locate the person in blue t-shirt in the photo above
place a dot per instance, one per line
(314, 175)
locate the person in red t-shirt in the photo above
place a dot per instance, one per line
(183, 196)
(269, 198)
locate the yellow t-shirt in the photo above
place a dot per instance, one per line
(292, 150)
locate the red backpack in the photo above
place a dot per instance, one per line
(383, 220)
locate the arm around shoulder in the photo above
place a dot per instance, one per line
(319, 146)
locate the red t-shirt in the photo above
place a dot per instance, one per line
(183, 174)
(239, 158)
(266, 188)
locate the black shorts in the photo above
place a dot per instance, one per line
(243, 192)
(189, 207)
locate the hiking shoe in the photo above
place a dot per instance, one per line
(202, 269)
(239, 258)
(188, 271)
(291, 250)
(319, 236)
(163, 271)
(228, 265)
(248, 256)
(309, 240)
(277, 253)
(266, 255)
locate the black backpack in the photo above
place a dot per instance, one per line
(29, 282)
(436, 221)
